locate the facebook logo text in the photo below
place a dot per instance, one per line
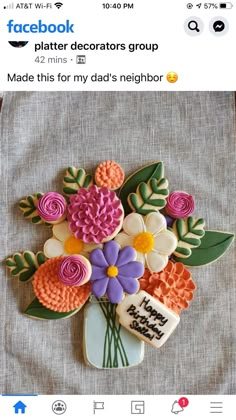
(39, 27)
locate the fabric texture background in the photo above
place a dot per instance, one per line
(193, 133)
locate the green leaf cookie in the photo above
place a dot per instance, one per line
(29, 209)
(75, 179)
(213, 245)
(149, 197)
(37, 310)
(189, 232)
(153, 171)
(25, 265)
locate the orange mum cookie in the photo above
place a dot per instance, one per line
(173, 286)
(52, 293)
(109, 174)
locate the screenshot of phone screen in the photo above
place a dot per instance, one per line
(117, 129)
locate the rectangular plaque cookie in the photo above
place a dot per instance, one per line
(147, 318)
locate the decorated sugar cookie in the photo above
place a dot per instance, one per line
(173, 286)
(115, 346)
(74, 179)
(121, 254)
(150, 238)
(189, 232)
(115, 271)
(63, 242)
(179, 204)
(95, 214)
(28, 206)
(109, 174)
(52, 207)
(147, 318)
(54, 292)
(25, 265)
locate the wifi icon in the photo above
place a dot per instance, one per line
(58, 4)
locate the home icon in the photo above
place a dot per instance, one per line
(19, 407)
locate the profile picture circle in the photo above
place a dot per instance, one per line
(18, 44)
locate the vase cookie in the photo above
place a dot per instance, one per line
(116, 347)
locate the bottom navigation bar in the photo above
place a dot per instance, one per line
(114, 407)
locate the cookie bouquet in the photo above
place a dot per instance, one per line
(123, 248)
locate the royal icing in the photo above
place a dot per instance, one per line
(28, 206)
(150, 238)
(52, 207)
(115, 271)
(109, 174)
(74, 270)
(24, 265)
(189, 232)
(213, 245)
(74, 179)
(137, 277)
(95, 214)
(38, 311)
(173, 286)
(147, 318)
(150, 196)
(179, 204)
(63, 242)
(115, 346)
(153, 171)
(55, 295)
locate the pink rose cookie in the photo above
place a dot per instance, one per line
(179, 204)
(74, 270)
(109, 174)
(95, 214)
(52, 207)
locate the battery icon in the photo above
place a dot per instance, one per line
(227, 5)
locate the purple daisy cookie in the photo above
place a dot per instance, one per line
(114, 271)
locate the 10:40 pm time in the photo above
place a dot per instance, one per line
(118, 5)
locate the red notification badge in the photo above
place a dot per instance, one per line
(183, 402)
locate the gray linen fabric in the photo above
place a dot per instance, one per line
(193, 133)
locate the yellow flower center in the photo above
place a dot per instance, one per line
(144, 242)
(112, 271)
(73, 245)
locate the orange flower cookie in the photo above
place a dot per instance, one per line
(55, 295)
(173, 286)
(109, 174)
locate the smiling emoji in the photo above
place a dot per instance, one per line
(172, 77)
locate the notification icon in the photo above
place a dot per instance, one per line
(178, 406)
(183, 402)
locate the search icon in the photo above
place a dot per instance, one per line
(193, 26)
